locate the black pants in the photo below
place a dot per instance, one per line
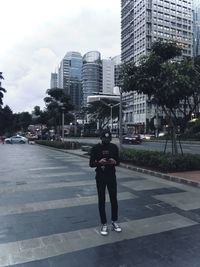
(111, 184)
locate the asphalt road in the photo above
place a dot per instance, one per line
(49, 215)
(187, 147)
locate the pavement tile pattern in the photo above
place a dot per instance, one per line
(49, 215)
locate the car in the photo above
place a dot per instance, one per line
(162, 134)
(16, 139)
(147, 136)
(132, 139)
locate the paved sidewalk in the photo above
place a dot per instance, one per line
(188, 177)
(49, 214)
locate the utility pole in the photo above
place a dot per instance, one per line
(120, 120)
(63, 122)
(111, 106)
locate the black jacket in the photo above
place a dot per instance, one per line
(107, 151)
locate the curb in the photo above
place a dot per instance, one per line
(162, 175)
(141, 170)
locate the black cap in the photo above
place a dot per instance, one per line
(106, 134)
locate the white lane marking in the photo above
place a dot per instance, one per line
(47, 175)
(49, 168)
(32, 186)
(57, 204)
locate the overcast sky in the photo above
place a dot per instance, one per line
(36, 35)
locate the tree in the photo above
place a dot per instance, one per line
(56, 102)
(23, 120)
(6, 120)
(2, 90)
(173, 85)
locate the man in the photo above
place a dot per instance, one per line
(105, 156)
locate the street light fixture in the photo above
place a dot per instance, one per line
(63, 118)
(111, 111)
(63, 122)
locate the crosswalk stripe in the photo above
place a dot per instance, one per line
(57, 204)
(53, 245)
(139, 185)
(49, 168)
(46, 175)
(31, 186)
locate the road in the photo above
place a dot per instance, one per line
(49, 216)
(187, 147)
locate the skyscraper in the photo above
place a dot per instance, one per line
(54, 80)
(196, 15)
(70, 77)
(142, 23)
(91, 75)
(108, 67)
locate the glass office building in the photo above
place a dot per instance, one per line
(91, 75)
(70, 77)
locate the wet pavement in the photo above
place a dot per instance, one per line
(49, 215)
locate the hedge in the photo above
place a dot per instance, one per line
(154, 160)
(160, 161)
(59, 144)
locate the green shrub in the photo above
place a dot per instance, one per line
(58, 144)
(160, 161)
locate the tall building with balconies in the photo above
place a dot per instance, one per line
(91, 75)
(142, 23)
(108, 71)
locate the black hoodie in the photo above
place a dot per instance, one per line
(107, 151)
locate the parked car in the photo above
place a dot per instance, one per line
(16, 139)
(132, 139)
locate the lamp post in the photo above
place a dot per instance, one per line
(63, 122)
(120, 120)
(75, 124)
(61, 105)
(111, 112)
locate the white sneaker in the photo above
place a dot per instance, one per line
(116, 227)
(104, 229)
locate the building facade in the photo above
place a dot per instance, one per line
(91, 75)
(108, 71)
(54, 80)
(142, 23)
(196, 15)
(70, 77)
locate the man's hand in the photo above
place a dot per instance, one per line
(103, 161)
(112, 161)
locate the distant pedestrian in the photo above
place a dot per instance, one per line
(105, 156)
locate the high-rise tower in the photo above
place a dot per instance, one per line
(91, 75)
(196, 14)
(54, 80)
(142, 23)
(70, 77)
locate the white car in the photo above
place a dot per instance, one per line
(16, 139)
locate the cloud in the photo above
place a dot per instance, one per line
(27, 65)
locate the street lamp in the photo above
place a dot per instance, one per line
(63, 122)
(75, 124)
(120, 120)
(111, 112)
(63, 117)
